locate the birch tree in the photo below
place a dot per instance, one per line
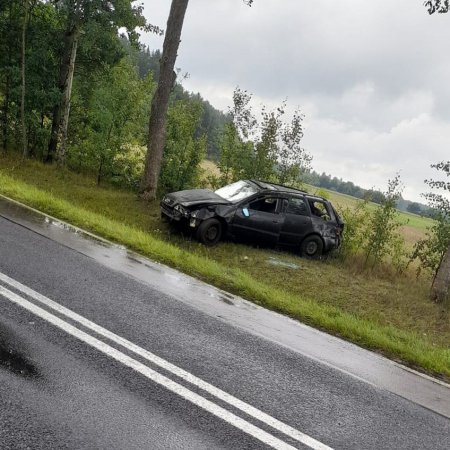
(112, 15)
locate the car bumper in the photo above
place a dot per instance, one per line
(171, 215)
(331, 243)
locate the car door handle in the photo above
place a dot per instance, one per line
(275, 221)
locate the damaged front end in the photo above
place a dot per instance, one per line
(191, 208)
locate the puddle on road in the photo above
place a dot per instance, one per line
(15, 362)
(226, 300)
(12, 357)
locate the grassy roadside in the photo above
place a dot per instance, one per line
(332, 298)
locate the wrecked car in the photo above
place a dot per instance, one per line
(257, 212)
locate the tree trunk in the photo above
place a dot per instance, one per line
(157, 123)
(6, 113)
(22, 99)
(440, 290)
(58, 137)
(99, 171)
(7, 89)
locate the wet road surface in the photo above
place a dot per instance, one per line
(102, 349)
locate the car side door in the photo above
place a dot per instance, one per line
(258, 220)
(297, 220)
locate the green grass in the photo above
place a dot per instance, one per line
(386, 313)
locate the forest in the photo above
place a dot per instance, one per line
(113, 82)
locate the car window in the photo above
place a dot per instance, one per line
(297, 206)
(319, 209)
(265, 204)
(237, 191)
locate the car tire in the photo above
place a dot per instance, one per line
(209, 232)
(312, 247)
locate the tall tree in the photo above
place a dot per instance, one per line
(112, 15)
(10, 31)
(25, 5)
(160, 102)
(149, 183)
(29, 48)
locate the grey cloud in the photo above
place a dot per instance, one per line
(311, 49)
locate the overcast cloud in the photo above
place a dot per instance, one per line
(372, 77)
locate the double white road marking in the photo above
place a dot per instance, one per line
(151, 374)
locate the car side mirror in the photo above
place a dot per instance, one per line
(246, 212)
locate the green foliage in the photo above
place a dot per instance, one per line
(128, 165)
(355, 218)
(265, 150)
(99, 49)
(183, 152)
(111, 15)
(41, 70)
(382, 226)
(110, 120)
(234, 156)
(430, 251)
(322, 193)
(374, 231)
(293, 161)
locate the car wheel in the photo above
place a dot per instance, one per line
(209, 232)
(312, 247)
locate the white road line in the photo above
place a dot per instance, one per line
(149, 373)
(224, 396)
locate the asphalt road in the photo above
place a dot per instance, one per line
(93, 358)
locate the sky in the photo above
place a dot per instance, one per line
(371, 77)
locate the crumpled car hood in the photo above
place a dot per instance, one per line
(196, 196)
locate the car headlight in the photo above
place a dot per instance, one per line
(182, 210)
(167, 200)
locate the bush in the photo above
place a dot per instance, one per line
(183, 152)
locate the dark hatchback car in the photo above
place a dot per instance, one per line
(257, 212)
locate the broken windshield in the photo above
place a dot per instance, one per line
(237, 191)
